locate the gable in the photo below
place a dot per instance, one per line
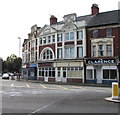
(47, 30)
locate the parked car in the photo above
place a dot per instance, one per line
(5, 76)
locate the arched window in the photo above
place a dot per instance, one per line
(47, 54)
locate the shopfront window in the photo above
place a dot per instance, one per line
(109, 74)
(89, 74)
(47, 72)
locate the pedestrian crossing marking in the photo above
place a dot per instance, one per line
(43, 86)
(12, 84)
(63, 87)
(28, 85)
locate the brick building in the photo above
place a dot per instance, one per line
(67, 51)
(103, 44)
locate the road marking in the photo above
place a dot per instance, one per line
(43, 86)
(63, 87)
(28, 85)
(12, 85)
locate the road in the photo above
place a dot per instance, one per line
(30, 98)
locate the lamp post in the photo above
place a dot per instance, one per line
(19, 45)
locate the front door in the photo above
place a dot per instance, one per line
(46, 74)
(99, 74)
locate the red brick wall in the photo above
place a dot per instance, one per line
(51, 79)
(102, 34)
(74, 80)
(40, 78)
(116, 33)
(52, 46)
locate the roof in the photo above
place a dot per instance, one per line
(105, 18)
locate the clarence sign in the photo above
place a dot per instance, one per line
(100, 61)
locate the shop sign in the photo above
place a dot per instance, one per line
(101, 61)
(45, 64)
(33, 65)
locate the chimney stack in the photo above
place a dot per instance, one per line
(94, 9)
(53, 20)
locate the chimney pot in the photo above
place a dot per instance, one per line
(53, 20)
(94, 9)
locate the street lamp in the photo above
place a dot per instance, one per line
(19, 45)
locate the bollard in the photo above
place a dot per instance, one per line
(115, 90)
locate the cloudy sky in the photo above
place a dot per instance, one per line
(17, 17)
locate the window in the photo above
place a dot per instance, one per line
(47, 72)
(109, 50)
(44, 40)
(95, 33)
(59, 53)
(100, 50)
(40, 40)
(80, 51)
(69, 52)
(108, 32)
(89, 74)
(47, 54)
(109, 74)
(59, 37)
(59, 69)
(49, 39)
(94, 51)
(80, 35)
(53, 38)
(69, 36)
(66, 36)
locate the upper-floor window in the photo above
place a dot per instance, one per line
(44, 40)
(69, 52)
(40, 40)
(59, 53)
(94, 50)
(108, 32)
(80, 35)
(80, 51)
(47, 54)
(59, 37)
(49, 39)
(95, 33)
(53, 38)
(100, 50)
(69, 36)
(109, 50)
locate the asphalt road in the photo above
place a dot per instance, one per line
(30, 98)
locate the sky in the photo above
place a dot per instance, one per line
(18, 16)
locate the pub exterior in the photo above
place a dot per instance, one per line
(103, 44)
(78, 49)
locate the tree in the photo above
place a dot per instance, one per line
(12, 64)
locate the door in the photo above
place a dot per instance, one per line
(99, 74)
(46, 74)
(64, 75)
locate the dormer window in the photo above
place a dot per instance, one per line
(95, 33)
(108, 32)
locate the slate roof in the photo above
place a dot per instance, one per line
(105, 18)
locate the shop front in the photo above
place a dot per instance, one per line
(64, 71)
(69, 71)
(29, 72)
(101, 71)
(46, 72)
